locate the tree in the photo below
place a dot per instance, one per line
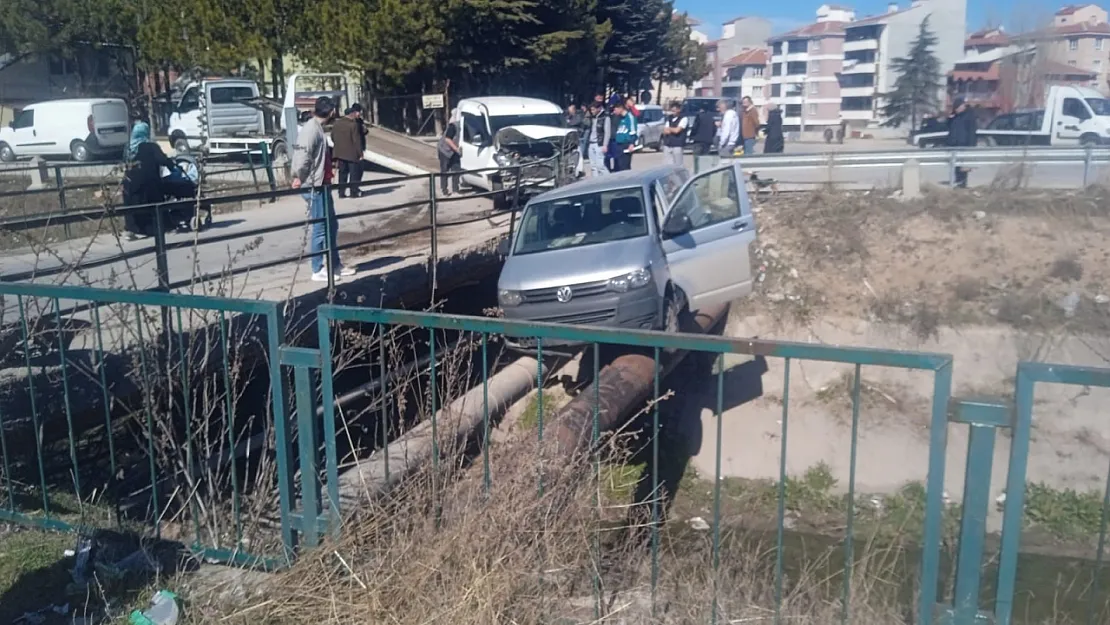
(918, 84)
(681, 59)
(631, 51)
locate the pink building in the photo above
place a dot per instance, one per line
(805, 70)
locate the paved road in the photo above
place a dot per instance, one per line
(286, 280)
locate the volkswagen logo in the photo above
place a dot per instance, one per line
(564, 294)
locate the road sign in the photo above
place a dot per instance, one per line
(434, 101)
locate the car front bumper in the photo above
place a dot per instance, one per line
(635, 310)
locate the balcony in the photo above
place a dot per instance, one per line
(797, 56)
(857, 92)
(853, 67)
(867, 115)
(862, 44)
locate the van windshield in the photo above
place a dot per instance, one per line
(692, 107)
(504, 121)
(582, 220)
(1100, 106)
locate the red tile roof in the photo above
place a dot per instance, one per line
(987, 38)
(1052, 68)
(1071, 9)
(817, 29)
(750, 56)
(1096, 28)
(991, 73)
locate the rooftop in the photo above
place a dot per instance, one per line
(1071, 9)
(749, 56)
(817, 29)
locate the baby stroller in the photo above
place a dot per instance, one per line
(182, 183)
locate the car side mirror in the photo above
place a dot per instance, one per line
(677, 224)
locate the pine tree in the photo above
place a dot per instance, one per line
(918, 84)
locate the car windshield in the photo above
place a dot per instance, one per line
(1100, 106)
(582, 220)
(547, 119)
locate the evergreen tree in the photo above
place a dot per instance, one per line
(918, 84)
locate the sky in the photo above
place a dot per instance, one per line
(790, 14)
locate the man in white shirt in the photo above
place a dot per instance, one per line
(730, 129)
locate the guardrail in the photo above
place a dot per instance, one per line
(162, 211)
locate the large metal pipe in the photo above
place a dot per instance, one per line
(620, 388)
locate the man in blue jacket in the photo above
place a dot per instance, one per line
(625, 132)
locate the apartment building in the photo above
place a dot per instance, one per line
(805, 68)
(745, 75)
(870, 44)
(1006, 78)
(737, 35)
(676, 91)
(1078, 38)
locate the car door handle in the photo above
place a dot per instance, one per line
(740, 225)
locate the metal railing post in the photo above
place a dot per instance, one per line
(433, 260)
(162, 267)
(268, 163)
(254, 172)
(1087, 166)
(331, 228)
(952, 169)
(516, 190)
(58, 182)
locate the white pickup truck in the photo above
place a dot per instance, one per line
(1072, 116)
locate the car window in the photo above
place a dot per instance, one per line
(474, 128)
(1073, 107)
(557, 120)
(1003, 122)
(189, 102)
(581, 220)
(229, 95)
(712, 198)
(25, 119)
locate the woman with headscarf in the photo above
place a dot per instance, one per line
(143, 182)
(774, 141)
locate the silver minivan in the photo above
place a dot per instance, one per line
(637, 249)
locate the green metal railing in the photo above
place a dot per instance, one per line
(159, 393)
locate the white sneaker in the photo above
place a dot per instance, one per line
(320, 276)
(345, 271)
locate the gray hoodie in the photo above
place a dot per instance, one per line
(310, 154)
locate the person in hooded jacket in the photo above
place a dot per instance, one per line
(962, 133)
(142, 184)
(774, 143)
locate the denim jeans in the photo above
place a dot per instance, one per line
(320, 205)
(749, 147)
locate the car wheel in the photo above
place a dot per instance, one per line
(1088, 141)
(181, 145)
(7, 155)
(501, 201)
(674, 316)
(985, 142)
(79, 151)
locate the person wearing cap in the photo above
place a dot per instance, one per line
(312, 172)
(346, 143)
(962, 131)
(356, 108)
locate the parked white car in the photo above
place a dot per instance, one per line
(505, 132)
(82, 129)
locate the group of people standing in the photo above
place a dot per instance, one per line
(608, 132)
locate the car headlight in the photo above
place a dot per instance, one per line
(636, 280)
(509, 298)
(502, 159)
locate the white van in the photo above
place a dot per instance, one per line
(505, 132)
(83, 129)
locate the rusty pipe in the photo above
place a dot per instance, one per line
(619, 389)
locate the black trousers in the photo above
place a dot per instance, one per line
(622, 161)
(961, 177)
(701, 149)
(350, 174)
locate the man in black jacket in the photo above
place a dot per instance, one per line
(961, 134)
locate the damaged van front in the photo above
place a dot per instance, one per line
(506, 139)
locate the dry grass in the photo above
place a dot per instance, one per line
(514, 555)
(949, 258)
